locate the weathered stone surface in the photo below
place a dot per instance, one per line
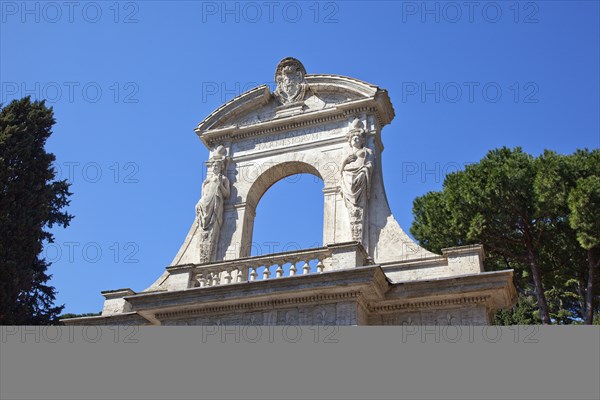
(265, 146)
(368, 272)
(352, 296)
(114, 302)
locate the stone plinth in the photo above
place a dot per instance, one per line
(355, 295)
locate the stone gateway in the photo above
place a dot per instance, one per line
(368, 272)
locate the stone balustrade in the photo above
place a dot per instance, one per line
(263, 267)
(332, 257)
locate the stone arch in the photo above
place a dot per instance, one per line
(274, 174)
(262, 184)
(328, 126)
(302, 127)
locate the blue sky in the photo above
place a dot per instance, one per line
(130, 80)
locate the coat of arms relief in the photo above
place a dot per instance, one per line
(291, 85)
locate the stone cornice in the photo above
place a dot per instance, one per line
(260, 95)
(423, 262)
(258, 305)
(367, 280)
(464, 251)
(371, 100)
(128, 318)
(431, 304)
(367, 287)
(319, 82)
(117, 293)
(339, 112)
(497, 285)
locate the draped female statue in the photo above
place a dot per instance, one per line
(357, 168)
(215, 189)
(356, 172)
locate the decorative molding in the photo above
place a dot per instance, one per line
(459, 251)
(265, 304)
(234, 133)
(316, 83)
(329, 190)
(262, 93)
(117, 293)
(429, 304)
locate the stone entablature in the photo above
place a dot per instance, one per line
(353, 296)
(345, 284)
(369, 271)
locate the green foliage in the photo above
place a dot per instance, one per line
(563, 302)
(525, 312)
(71, 315)
(31, 202)
(430, 212)
(584, 204)
(537, 216)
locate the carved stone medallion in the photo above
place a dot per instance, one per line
(291, 85)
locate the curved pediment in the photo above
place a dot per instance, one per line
(299, 97)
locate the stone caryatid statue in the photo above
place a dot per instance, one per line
(209, 210)
(357, 169)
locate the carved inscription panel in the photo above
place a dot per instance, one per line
(286, 139)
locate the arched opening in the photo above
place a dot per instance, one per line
(289, 216)
(287, 204)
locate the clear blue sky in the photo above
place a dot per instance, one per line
(130, 80)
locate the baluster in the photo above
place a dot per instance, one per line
(320, 266)
(201, 279)
(253, 273)
(293, 269)
(215, 279)
(279, 271)
(240, 275)
(266, 272)
(228, 276)
(306, 268)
